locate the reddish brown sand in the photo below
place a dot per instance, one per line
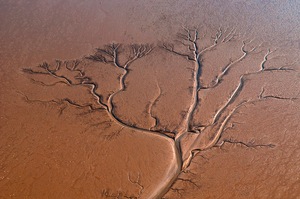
(141, 99)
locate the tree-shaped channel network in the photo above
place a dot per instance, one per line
(189, 139)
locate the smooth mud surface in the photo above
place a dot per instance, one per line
(149, 99)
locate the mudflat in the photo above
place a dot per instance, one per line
(141, 99)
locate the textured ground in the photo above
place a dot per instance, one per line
(142, 99)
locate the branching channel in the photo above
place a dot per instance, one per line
(203, 137)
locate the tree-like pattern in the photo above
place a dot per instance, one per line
(189, 139)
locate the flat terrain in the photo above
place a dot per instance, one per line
(149, 99)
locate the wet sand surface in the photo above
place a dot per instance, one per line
(149, 99)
